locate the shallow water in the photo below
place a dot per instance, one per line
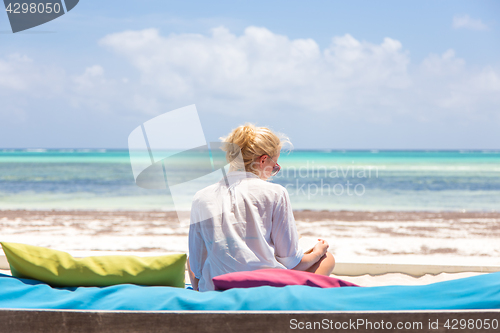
(319, 180)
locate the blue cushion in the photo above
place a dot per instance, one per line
(478, 292)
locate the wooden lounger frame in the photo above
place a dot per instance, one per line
(75, 321)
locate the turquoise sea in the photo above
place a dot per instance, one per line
(100, 179)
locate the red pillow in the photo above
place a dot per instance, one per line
(276, 278)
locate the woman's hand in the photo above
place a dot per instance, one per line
(321, 248)
(309, 259)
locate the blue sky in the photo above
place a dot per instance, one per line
(329, 74)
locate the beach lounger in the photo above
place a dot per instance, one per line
(29, 305)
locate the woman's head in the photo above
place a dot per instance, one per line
(260, 148)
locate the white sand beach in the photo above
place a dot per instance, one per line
(422, 238)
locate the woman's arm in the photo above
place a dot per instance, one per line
(309, 259)
(197, 252)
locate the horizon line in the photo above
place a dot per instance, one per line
(34, 149)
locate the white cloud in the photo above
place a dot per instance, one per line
(444, 64)
(260, 72)
(24, 83)
(21, 73)
(92, 90)
(448, 86)
(260, 67)
(466, 22)
(92, 76)
(9, 71)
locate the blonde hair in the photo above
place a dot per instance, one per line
(253, 142)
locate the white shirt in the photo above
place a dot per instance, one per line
(245, 226)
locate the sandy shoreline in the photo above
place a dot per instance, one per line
(443, 238)
(397, 236)
(300, 215)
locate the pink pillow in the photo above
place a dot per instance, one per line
(276, 278)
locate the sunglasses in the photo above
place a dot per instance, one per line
(276, 168)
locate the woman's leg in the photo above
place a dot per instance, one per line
(324, 266)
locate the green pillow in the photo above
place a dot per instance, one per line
(59, 268)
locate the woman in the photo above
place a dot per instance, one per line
(243, 222)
